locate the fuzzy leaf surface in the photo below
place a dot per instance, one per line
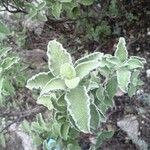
(39, 80)
(94, 56)
(85, 68)
(121, 51)
(78, 105)
(57, 56)
(123, 78)
(52, 85)
(46, 101)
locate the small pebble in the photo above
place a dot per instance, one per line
(148, 73)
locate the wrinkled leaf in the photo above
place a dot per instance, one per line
(72, 83)
(46, 101)
(123, 78)
(53, 85)
(57, 56)
(39, 80)
(67, 71)
(85, 68)
(121, 51)
(78, 105)
(93, 56)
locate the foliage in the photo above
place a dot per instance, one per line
(77, 95)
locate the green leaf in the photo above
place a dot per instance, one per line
(121, 51)
(132, 89)
(8, 87)
(73, 146)
(64, 130)
(39, 80)
(41, 5)
(104, 71)
(86, 2)
(65, 1)
(100, 93)
(3, 28)
(46, 101)
(93, 56)
(4, 51)
(95, 117)
(8, 62)
(134, 63)
(53, 85)
(85, 68)
(57, 56)
(72, 83)
(56, 9)
(102, 136)
(2, 140)
(123, 78)
(67, 71)
(78, 105)
(114, 60)
(143, 60)
(1, 88)
(111, 87)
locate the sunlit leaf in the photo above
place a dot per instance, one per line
(46, 101)
(67, 71)
(121, 51)
(52, 85)
(57, 56)
(72, 83)
(39, 80)
(85, 68)
(93, 56)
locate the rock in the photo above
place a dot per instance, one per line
(34, 25)
(19, 140)
(148, 73)
(130, 125)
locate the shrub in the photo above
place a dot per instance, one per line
(79, 93)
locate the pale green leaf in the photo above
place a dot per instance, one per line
(9, 61)
(123, 78)
(102, 136)
(95, 117)
(78, 105)
(64, 130)
(72, 83)
(105, 71)
(93, 56)
(132, 89)
(3, 28)
(2, 140)
(53, 85)
(56, 9)
(114, 60)
(134, 63)
(65, 1)
(39, 80)
(111, 87)
(4, 51)
(143, 60)
(67, 71)
(85, 68)
(86, 2)
(73, 146)
(121, 51)
(57, 56)
(100, 93)
(46, 101)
